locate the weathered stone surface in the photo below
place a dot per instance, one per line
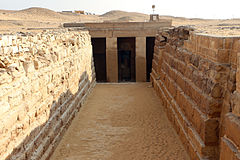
(5, 77)
(37, 86)
(4, 107)
(195, 76)
(217, 91)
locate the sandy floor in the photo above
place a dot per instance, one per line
(121, 122)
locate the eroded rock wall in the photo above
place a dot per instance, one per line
(44, 78)
(193, 73)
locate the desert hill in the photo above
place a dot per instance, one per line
(38, 18)
(117, 15)
(43, 12)
(21, 20)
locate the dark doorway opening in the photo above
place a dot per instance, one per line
(126, 59)
(150, 41)
(99, 55)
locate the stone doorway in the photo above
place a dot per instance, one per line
(99, 55)
(126, 59)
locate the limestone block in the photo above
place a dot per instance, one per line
(236, 44)
(24, 49)
(7, 50)
(9, 119)
(15, 98)
(4, 107)
(217, 91)
(5, 40)
(50, 88)
(228, 42)
(232, 128)
(223, 55)
(4, 90)
(35, 86)
(10, 40)
(5, 77)
(15, 70)
(28, 67)
(35, 98)
(54, 58)
(236, 103)
(228, 150)
(22, 115)
(216, 42)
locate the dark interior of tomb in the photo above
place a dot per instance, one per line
(99, 55)
(150, 41)
(126, 59)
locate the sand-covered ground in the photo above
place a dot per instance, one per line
(23, 20)
(121, 122)
(33, 18)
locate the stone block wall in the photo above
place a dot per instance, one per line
(195, 76)
(230, 116)
(44, 79)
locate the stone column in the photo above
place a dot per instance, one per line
(112, 59)
(141, 59)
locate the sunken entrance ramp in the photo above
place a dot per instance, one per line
(121, 122)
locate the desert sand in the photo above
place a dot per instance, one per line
(38, 18)
(121, 122)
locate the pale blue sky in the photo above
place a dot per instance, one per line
(186, 8)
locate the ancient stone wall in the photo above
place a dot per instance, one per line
(230, 117)
(44, 78)
(195, 76)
